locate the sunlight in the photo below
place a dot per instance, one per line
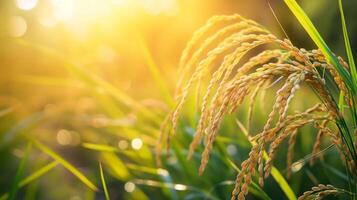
(26, 4)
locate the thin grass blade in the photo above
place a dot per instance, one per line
(318, 40)
(348, 45)
(35, 175)
(104, 184)
(64, 163)
(100, 147)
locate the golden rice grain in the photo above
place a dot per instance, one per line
(227, 89)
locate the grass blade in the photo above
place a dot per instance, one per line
(348, 45)
(19, 173)
(116, 165)
(99, 147)
(43, 170)
(103, 182)
(64, 163)
(350, 60)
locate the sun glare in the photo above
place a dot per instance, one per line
(26, 4)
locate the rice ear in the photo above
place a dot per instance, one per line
(320, 191)
(227, 89)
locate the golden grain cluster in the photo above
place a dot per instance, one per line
(215, 53)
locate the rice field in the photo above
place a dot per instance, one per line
(169, 99)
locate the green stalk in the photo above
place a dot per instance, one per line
(348, 46)
(321, 44)
(350, 61)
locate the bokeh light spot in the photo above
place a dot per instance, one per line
(64, 137)
(180, 187)
(231, 149)
(129, 186)
(136, 143)
(123, 144)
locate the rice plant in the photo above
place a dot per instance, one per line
(214, 64)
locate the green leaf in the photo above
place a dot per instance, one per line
(348, 45)
(116, 165)
(103, 182)
(43, 170)
(341, 102)
(64, 163)
(318, 40)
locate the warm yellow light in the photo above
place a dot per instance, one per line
(47, 21)
(17, 26)
(119, 2)
(26, 4)
(155, 7)
(63, 9)
(136, 143)
(105, 54)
